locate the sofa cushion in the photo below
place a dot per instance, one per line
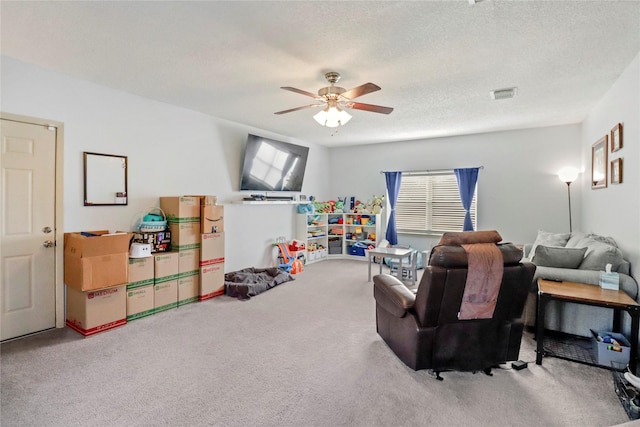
(608, 240)
(546, 238)
(600, 254)
(550, 256)
(576, 236)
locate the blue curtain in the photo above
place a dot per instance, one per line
(467, 179)
(393, 188)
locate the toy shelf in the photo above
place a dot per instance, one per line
(339, 234)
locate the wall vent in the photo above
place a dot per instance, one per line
(505, 93)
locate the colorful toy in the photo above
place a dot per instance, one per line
(291, 264)
(378, 204)
(296, 245)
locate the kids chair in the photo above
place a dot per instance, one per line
(291, 264)
(409, 266)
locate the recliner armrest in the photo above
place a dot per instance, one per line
(392, 295)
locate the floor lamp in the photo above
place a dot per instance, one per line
(568, 175)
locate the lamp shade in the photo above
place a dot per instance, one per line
(568, 174)
(332, 117)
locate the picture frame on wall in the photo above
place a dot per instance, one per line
(599, 163)
(616, 171)
(616, 138)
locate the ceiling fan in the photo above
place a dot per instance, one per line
(334, 98)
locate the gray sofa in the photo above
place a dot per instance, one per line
(576, 257)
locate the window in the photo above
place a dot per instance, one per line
(430, 202)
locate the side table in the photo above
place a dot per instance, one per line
(581, 293)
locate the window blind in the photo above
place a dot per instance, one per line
(430, 203)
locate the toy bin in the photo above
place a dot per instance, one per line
(610, 355)
(356, 250)
(335, 246)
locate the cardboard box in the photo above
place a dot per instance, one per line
(205, 200)
(96, 311)
(212, 219)
(188, 288)
(211, 248)
(181, 209)
(166, 281)
(185, 235)
(141, 271)
(160, 241)
(610, 355)
(189, 262)
(165, 295)
(95, 259)
(211, 281)
(165, 266)
(140, 300)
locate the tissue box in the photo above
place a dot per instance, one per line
(609, 281)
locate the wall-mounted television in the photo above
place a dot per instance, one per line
(271, 165)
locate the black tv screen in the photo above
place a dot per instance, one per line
(271, 165)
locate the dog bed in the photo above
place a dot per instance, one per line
(249, 282)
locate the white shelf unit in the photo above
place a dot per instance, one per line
(312, 230)
(336, 235)
(359, 227)
(322, 229)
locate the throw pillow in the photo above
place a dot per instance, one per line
(549, 256)
(546, 238)
(604, 239)
(600, 254)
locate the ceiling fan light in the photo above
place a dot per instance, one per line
(344, 117)
(332, 117)
(321, 117)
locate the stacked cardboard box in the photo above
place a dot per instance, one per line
(183, 216)
(188, 276)
(96, 273)
(106, 288)
(96, 311)
(165, 281)
(212, 248)
(211, 266)
(140, 290)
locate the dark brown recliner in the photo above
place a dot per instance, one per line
(424, 329)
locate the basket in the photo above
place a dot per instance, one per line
(153, 226)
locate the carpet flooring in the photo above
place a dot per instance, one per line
(305, 353)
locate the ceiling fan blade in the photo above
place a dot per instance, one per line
(298, 108)
(369, 107)
(360, 90)
(301, 92)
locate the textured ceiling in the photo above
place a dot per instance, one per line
(435, 61)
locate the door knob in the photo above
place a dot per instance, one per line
(47, 244)
(46, 230)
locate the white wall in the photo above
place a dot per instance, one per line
(615, 211)
(171, 151)
(519, 191)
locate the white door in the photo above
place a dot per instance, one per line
(27, 228)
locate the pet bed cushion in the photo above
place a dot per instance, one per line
(252, 281)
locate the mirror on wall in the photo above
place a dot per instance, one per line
(105, 179)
